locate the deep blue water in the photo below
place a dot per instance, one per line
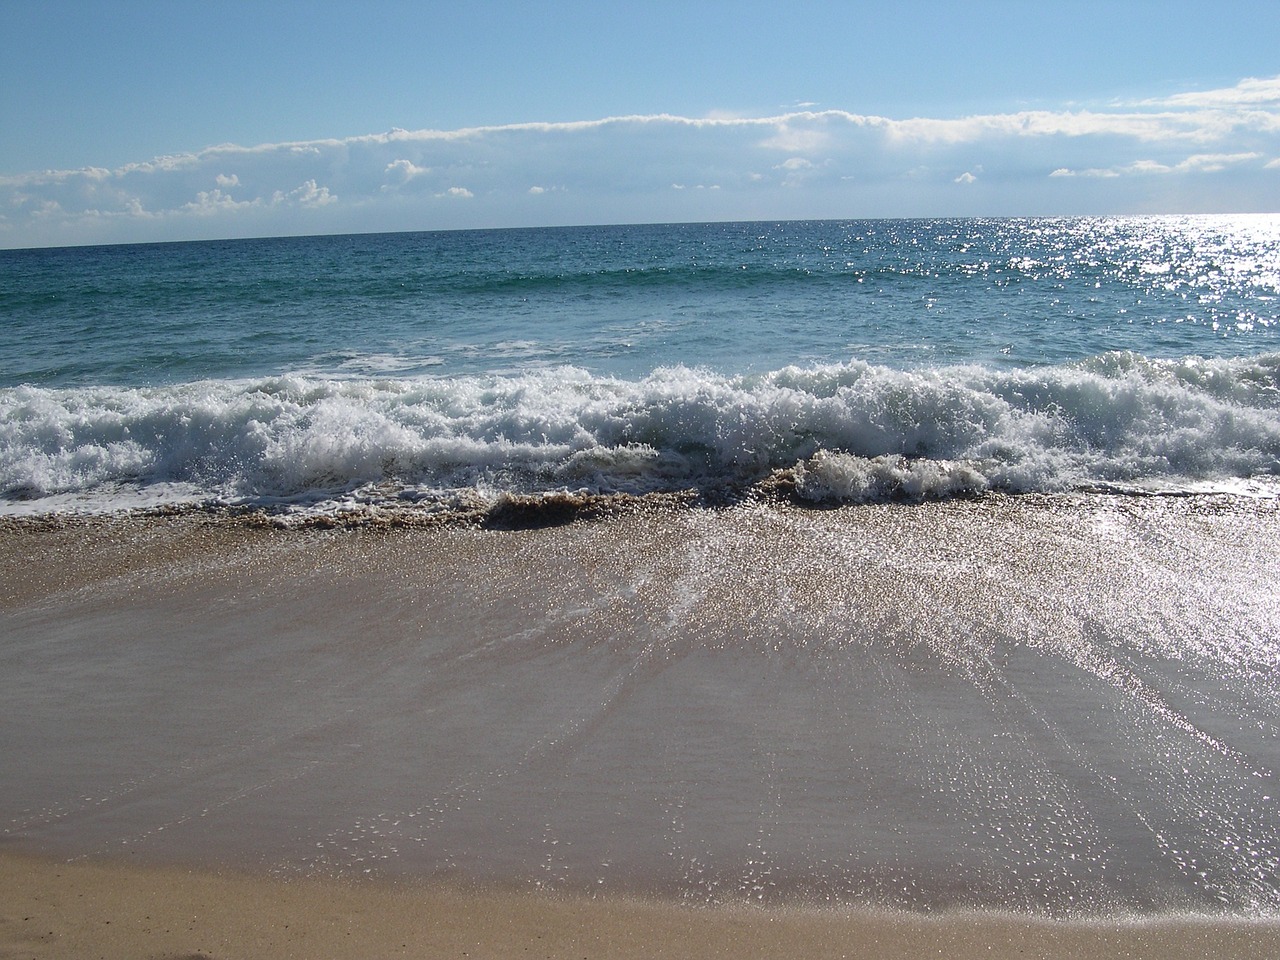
(623, 300)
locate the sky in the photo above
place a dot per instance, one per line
(130, 120)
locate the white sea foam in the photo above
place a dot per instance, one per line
(845, 477)
(849, 431)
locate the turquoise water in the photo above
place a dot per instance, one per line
(1038, 354)
(624, 300)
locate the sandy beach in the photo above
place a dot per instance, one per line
(1008, 727)
(116, 911)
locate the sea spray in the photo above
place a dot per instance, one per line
(1113, 419)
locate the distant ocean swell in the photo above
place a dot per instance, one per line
(845, 432)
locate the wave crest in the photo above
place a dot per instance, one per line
(850, 431)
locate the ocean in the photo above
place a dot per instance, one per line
(921, 564)
(881, 357)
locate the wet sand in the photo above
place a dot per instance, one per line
(949, 726)
(112, 911)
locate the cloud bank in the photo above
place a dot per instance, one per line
(1204, 151)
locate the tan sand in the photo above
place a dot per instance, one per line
(112, 910)
(487, 706)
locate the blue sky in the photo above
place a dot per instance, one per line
(124, 121)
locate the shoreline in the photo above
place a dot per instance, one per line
(112, 909)
(397, 507)
(1022, 704)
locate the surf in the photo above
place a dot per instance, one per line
(845, 431)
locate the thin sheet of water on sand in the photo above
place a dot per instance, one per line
(1061, 704)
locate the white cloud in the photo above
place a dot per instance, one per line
(1252, 91)
(1195, 126)
(625, 168)
(801, 133)
(1214, 162)
(210, 202)
(1090, 172)
(402, 171)
(307, 194)
(1197, 163)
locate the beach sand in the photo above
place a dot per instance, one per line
(966, 728)
(113, 911)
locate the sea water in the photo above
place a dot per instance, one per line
(916, 357)
(952, 584)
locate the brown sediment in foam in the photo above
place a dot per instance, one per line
(505, 511)
(116, 910)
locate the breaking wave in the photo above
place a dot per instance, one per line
(852, 431)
